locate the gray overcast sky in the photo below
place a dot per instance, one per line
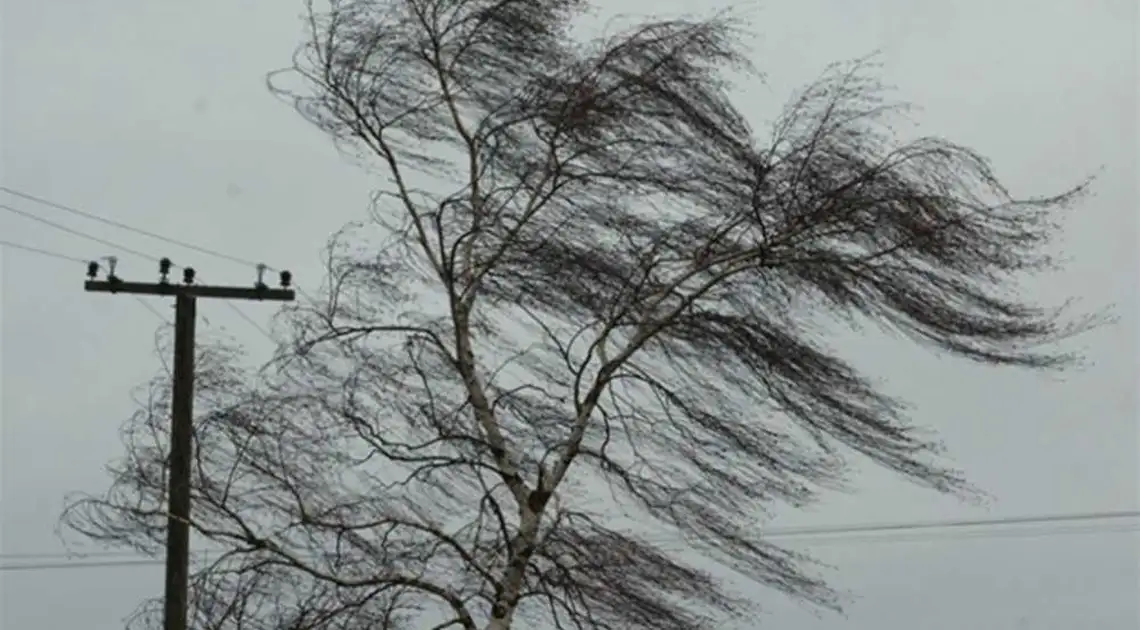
(155, 114)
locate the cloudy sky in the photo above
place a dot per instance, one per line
(155, 114)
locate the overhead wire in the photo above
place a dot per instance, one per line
(56, 566)
(34, 217)
(57, 255)
(945, 530)
(124, 226)
(955, 535)
(237, 311)
(1075, 517)
(78, 564)
(23, 194)
(148, 306)
(150, 234)
(63, 228)
(42, 252)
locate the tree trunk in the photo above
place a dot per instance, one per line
(522, 548)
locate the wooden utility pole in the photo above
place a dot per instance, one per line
(186, 294)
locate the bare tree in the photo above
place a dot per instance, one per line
(596, 296)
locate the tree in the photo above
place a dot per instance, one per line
(594, 279)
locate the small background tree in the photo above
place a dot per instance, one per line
(584, 313)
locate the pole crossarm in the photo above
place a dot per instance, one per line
(190, 290)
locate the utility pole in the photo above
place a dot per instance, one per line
(186, 294)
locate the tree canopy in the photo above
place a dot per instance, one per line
(587, 290)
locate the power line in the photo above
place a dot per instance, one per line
(123, 226)
(152, 309)
(130, 228)
(80, 556)
(1092, 523)
(56, 566)
(955, 536)
(51, 254)
(963, 523)
(249, 320)
(42, 252)
(117, 246)
(64, 228)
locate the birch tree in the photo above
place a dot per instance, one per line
(579, 327)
